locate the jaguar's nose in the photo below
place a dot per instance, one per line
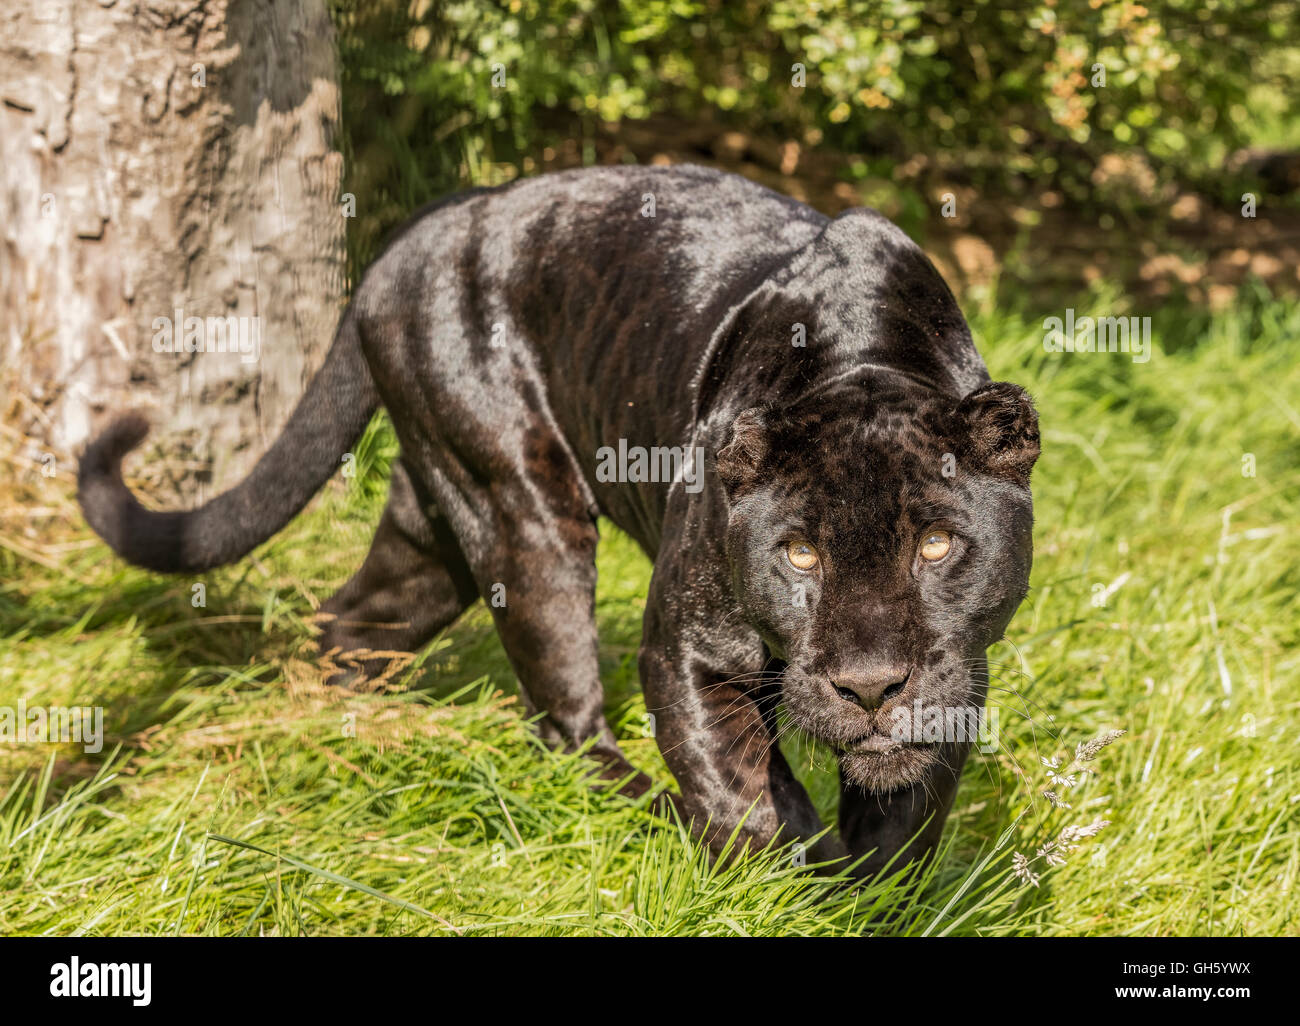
(872, 686)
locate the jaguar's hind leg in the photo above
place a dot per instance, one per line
(413, 583)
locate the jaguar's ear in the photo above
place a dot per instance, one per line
(1002, 427)
(739, 459)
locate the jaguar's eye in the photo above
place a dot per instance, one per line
(936, 545)
(802, 556)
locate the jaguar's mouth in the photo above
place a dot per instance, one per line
(877, 750)
(878, 762)
(879, 744)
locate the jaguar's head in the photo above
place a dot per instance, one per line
(880, 540)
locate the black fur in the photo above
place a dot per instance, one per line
(512, 333)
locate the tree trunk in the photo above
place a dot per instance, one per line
(160, 161)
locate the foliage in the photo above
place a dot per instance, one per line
(443, 94)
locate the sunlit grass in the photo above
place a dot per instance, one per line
(235, 795)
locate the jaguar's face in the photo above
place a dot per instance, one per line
(879, 547)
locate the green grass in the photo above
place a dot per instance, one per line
(236, 796)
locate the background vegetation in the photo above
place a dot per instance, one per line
(1003, 97)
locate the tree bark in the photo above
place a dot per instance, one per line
(159, 156)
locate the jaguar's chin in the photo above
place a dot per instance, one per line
(879, 764)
